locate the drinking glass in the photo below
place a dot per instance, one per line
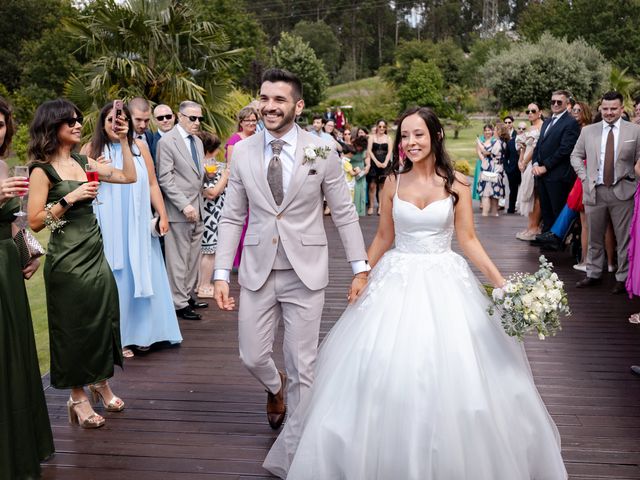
(92, 176)
(210, 166)
(21, 171)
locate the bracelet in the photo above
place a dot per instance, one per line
(53, 223)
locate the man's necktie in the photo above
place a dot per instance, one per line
(553, 122)
(194, 154)
(274, 173)
(609, 154)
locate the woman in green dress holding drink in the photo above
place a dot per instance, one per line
(82, 297)
(25, 432)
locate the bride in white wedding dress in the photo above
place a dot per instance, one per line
(416, 381)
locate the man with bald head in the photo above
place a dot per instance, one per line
(165, 120)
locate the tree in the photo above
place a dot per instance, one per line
(294, 54)
(22, 21)
(609, 25)
(529, 72)
(447, 55)
(423, 87)
(325, 44)
(244, 33)
(159, 49)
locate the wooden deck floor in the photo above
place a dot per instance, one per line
(193, 412)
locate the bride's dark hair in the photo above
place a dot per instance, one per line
(444, 165)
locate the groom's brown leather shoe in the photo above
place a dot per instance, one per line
(276, 408)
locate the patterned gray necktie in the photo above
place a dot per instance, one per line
(274, 173)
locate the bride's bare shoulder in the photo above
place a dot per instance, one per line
(460, 183)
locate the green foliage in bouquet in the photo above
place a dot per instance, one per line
(531, 302)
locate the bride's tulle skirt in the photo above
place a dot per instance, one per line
(417, 381)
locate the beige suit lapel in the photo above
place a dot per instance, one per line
(258, 170)
(300, 171)
(182, 148)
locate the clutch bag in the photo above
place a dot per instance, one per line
(155, 227)
(28, 247)
(491, 177)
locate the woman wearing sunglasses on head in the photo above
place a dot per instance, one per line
(25, 432)
(82, 298)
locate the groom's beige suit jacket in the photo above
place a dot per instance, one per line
(297, 222)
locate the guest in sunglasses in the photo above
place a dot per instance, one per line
(552, 158)
(131, 240)
(528, 203)
(82, 297)
(179, 158)
(25, 432)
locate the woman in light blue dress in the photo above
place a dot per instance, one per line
(131, 244)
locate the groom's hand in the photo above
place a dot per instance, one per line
(357, 286)
(221, 295)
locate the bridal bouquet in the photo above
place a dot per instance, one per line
(531, 302)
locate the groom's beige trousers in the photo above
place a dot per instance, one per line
(282, 296)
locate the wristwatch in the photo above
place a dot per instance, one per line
(64, 204)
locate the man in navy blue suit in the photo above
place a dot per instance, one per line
(511, 165)
(552, 158)
(141, 116)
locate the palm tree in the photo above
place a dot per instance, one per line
(158, 49)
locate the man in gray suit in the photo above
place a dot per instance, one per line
(611, 149)
(179, 158)
(281, 175)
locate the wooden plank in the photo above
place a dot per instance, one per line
(193, 411)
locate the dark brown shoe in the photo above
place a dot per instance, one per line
(619, 288)
(276, 408)
(588, 282)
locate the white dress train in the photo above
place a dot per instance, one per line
(416, 381)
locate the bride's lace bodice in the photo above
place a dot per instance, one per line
(427, 230)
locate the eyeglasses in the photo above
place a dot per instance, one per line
(508, 122)
(193, 118)
(557, 102)
(71, 121)
(530, 111)
(521, 128)
(576, 110)
(162, 118)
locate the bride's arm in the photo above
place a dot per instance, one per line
(466, 234)
(386, 234)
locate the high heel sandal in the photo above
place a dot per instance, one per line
(92, 421)
(115, 405)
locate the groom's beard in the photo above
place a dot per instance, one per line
(282, 123)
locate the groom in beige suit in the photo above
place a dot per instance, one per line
(611, 149)
(281, 175)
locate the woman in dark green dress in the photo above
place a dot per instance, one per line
(25, 432)
(82, 298)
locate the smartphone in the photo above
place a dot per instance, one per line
(117, 111)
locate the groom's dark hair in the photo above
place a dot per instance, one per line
(277, 75)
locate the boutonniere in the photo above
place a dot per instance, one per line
(311, 153)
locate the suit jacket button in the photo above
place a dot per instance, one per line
(274, 241)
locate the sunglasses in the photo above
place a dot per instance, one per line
(193, 118)
(576, 110)
(521, 128)
(530, 111)
(71, 121)
(508, 123)
(162, 118)
(557, 102)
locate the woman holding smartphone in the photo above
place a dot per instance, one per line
(82, 298)
(25, 432)
(147, 315)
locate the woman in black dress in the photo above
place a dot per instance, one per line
(379, 153)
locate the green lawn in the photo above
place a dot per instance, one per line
(38, 302)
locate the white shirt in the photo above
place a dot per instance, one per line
(603, 147)
(287, 156)
(185, 138)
